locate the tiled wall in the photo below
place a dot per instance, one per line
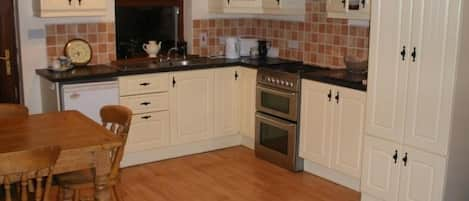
(322, 41)
(101, 37)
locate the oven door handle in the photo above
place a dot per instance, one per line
(275, 120)
(278, 92)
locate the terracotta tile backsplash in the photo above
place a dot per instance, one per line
(101, 37)
(321, 41)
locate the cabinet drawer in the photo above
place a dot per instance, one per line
(143, 84)
(146, 103)
(148, 131)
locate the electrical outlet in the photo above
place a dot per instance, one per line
(204, 39)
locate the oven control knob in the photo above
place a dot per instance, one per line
(277, 81)
(291, 84)
(268, 79)
(282, 82)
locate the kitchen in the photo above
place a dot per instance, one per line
(361, 134)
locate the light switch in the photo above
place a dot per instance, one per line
(203, 39)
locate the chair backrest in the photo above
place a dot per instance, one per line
(117, 119)
(26, 166)
(13, 110)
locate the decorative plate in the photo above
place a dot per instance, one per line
(79, 51)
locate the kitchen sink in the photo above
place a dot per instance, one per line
(161, 65)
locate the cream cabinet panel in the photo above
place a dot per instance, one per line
(148, 131)
(422, 177)
(57, 4)
(387, 77)
(348, 131)
(348, 9)
(381, 169)
(227, 91)
(191, 106)
(315, 131)
(143, 84)
(272, 4)
(337, 6)
(243, 3)
(247, 99)
(430, 88)
(146, 103)
(92, 4)
(270, 7)
(69, 8)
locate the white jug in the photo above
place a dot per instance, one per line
(152, 48)
(232, 48)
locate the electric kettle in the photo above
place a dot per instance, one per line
(232, 48)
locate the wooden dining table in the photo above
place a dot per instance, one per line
(84, 143)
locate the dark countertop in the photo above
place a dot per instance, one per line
(101, 72)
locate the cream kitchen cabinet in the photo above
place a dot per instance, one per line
(192, 106)
(247, 100)
(227, 106)
(69, 8)
(273, 7)
(416, 101)
(148, 98)
(349, 9)
(332, 126)
(392, 172)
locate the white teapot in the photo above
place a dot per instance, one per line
(152, 48)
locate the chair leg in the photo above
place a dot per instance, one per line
(59, 194)
(76, 195)
(115, 193)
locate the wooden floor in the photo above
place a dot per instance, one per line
(227, 175)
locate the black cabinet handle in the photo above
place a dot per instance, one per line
(145, 103)
(396, 154)
(236, 75)
(146, 117)
(405, 159)
(174, 82)
(364, 3)
(329, 96)
(343, 2)
(69, 2)
(145, 84)
(228, 2)
(79, 2)
(414, 54)
(337, 97)
(278, 2)
(403, 53)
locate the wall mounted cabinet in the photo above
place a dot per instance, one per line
(332, 126)
(270, 7)
(69, 8)
(349, 9)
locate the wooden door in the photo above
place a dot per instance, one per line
(9, 68)
(248, 78)
(148, 131)
(432, 73)
(191, 106)
(92, 4)
(422, 177)
(348, 131)
(316, 114)
(227, 85)
(380, 173)
(387, 77)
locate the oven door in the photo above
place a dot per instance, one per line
(277, 102)
(276, 140)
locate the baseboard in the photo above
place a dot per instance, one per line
(247, 142)
(332, 175)
(153, 155)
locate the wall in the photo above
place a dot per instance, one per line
(34, 51)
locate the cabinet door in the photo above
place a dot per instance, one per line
(272, 4)
(248, 78)
(243, 3)
(365, 7)
(191, 106)
(148, 131)
(226, 102)
(315, 131)
(337, 6)
(387, 77)
(380, 176)
(348, 131)
(422, 178)
(91, 4)
(431, 75)
(55, 5)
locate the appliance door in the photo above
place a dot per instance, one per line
(277, 102)
(88, 98)
(276, 140)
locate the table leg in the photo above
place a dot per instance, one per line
(103, 168)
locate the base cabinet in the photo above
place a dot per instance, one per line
(247, 100)
(395, 173)
(332, 126)
(148, 131)
(191, 105)
(227, 107)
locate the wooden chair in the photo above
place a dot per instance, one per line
(117, 119)
(13, 110)
(26, 166)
